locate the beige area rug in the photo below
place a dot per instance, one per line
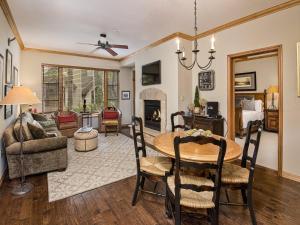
(113, 160)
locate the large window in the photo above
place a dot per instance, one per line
(66, 88)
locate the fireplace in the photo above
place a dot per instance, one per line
(152, 114)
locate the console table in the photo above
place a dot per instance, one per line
(216, 125)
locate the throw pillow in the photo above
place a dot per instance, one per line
(26, 132)
(47, 124)
(248, 105)
(36, 131)
(110, 115)
(66, 118)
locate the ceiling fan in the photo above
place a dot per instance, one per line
(105, 45)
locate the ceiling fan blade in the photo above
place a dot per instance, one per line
(82, 43)
(95, 49)
(119, 46)
(110, 51)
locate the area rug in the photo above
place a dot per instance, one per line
(113, 160)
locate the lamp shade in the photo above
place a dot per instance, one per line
(20, 95)
(272, 89)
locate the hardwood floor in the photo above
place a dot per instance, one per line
(277, 201)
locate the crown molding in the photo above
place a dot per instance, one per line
(259, 14)
(71, 54)
(253, 16)
(11, 22)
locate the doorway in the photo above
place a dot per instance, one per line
(232, 97)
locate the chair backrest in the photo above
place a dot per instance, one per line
(217, 166)
(138, 146)
(255, 142)
(173, 115)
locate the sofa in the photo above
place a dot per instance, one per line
(40, 155)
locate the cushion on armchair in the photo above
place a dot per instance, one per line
(110, 115)
(66, 118)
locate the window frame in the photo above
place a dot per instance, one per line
(61, 82)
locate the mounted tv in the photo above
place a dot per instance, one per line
(151, 73)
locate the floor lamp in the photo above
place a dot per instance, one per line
(20, 95)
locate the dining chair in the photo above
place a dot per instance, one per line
(241, 178)
(181, 126)
(147, 166)
(195, 192)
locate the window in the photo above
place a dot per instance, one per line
(50, 88)
(73, 85)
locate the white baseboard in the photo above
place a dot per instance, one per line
(291, 176)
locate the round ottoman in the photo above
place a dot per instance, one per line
(87, 141)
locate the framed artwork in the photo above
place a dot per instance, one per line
(8, 68)
(298, 68)
(8, 109)
(15, 76)
(1, 75)
(125, 95)
(206, 80)
(245, 81)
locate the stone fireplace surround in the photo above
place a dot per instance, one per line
(155, 94)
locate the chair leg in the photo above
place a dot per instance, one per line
(142, 182)
(168, 208)
(250, 206)
(177, 214)
(227, 195)
(136, 191)
(244, 195)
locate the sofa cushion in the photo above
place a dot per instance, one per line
(110, 115)
(38, 145)
(25, 131)
(48, 124)
(39, 117)
(9, 136)
(66, 118)
(37, 131)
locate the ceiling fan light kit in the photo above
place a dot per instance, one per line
(105, 45)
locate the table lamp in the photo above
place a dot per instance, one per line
(272, 90)
(20, 95)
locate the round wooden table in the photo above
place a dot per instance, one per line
(194, 152)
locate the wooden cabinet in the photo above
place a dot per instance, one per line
(216, 125)
(271, 120)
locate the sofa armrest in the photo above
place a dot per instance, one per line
(38, 145)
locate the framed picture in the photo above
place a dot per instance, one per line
(298, 68)
(15, 76)
(1, 75)
(8, 109)
(245, 81)
(125, 95)
(206, 80)
(8, 67)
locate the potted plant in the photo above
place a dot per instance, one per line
(197, 101)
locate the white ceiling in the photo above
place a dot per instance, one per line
(61, 24)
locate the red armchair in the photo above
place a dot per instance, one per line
(110, 120)
(67, 122)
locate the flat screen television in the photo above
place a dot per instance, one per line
(151, 73)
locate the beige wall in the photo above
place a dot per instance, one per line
(31, 62)
(279, 28)
(266, 71)
(5, 33)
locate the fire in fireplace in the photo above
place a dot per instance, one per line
(152, 114)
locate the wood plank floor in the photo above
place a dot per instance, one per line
(277, 201)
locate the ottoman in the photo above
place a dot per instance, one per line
(87, 141)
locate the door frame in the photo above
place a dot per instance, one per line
(231, 97)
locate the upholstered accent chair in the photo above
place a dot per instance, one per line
(190, 193)
(68, 122)
(180, 126)
(239, 177)
(147, 166)
(110, 120)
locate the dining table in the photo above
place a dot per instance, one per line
(193, 152)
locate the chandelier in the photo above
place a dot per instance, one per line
(181, 54)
